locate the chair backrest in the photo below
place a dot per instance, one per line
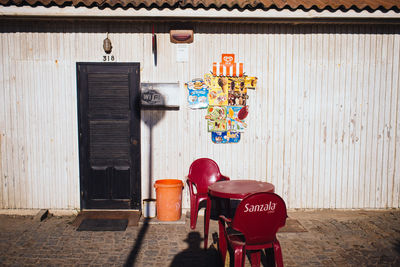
(259, 216)
(204, 172)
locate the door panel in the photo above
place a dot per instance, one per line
(109, 142)
(109, 119)
(120, 179)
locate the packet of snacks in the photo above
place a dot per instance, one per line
(197, 94)
(250, 82)
(218, 89)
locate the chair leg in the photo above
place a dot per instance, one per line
(222, 245)
(239, 257)
(207, 222)
(194, 206)
(255, 258)
(278, 254)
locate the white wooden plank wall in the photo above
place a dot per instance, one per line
(324, 123)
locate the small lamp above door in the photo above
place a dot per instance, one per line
(107, 46)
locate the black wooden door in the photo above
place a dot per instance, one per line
(109, 135)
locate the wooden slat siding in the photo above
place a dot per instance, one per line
(392, 95)
(385, 103)
(325, 168)
(341, 132)
(330, 189)
(343, 121)
(7, 138)
(388, 122)
(355, 130)
(393, 185)
(298, 96)
(383, 123)
(13, 165)
(29, 141)
(319, 57)
(374, 189)
(324, 123)
(30, 127)
(306, 149)
(394, 159)
(287, 109)
(381, 73)
(368, 123)
(3, 120)
(43, 109)
(313, 92)
(19, 183)
(295, 99)
(349, 105)
(362, 94)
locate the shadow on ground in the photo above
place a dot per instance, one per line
(397, 246)
(194, 255)
(130, 261)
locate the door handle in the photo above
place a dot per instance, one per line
(134, 141)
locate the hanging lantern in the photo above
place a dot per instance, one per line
(107, 45)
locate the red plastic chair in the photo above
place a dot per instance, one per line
(253, 228)
(202, 173)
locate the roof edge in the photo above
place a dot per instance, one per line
(265, 5)
(191, 14)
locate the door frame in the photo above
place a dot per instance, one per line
(135, 132)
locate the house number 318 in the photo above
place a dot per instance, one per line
(108, 58)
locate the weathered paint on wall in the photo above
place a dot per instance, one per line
(324, 122)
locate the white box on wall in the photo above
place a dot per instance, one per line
(160, 95)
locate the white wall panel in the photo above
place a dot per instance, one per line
(324, 122)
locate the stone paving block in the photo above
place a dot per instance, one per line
(349, 238)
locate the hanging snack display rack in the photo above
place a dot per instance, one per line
(226, 102)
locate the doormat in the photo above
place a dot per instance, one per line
(103, 225)
(292, 226)
(131, 218)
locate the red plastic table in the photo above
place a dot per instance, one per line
(233, 189)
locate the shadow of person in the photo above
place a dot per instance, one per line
(194, 255)
(397, 246)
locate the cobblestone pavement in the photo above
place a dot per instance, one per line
(333, 238)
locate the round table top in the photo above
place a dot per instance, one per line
(238, 189)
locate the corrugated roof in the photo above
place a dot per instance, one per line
(230, 4)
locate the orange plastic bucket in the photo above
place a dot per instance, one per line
(169, 199)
